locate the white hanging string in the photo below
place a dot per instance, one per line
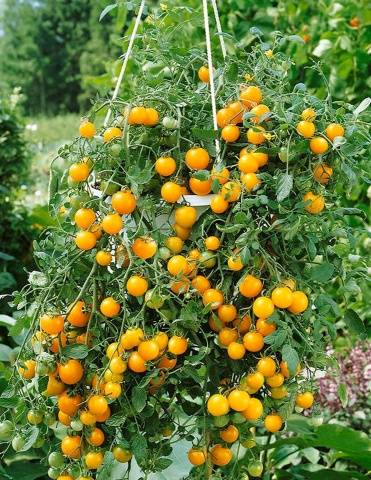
(211, 73)
(219, 28)
(127, 56)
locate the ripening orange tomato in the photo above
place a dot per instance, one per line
(69, 404)
(162, 340)
(227, 335)
(197, 456)
(250, 286)
(123, 202)
(236, 351)
(84, 218)
(144, 247)
(79, 172)
(117, 365)
(224, 117)
(85, 240)
(220, 174)
(263, 307)
(200, 187)
(265, 328)
(275, 380)
(282, 297)
(318, 145)
(177, 345)
(236, 111)
(112, 223)
(131, 338)
(256, 135)
(231, 191)
(306, 129)
(304, 399)
(308, 115)
(96, 437)
(247, 163)
(273, 423)
(253, 341)
(103, 258)
(254, 380)
(334, 130)
(218, 204)
(200, 283)
(242, 324)
(87, 129)
(322, 173)
(181, 232)
(177, 265)
(227, 313)
(238, 400)
(254, 410)
(78, 315)
(121, 454)
(71, 446)
(250, 181)
(111, 133)
(171, 192)
(230, 133)
(220, 455)
(71, 372)
(204, 74)
(266, 366)
(299, 302)
(185, 216)
(87, 418)
(137, 116)
(212, 243)
(213, 297)
(260, 157)
(167, 363)
(148, 350)
(316, 205)
(260, 113)
(165, 166)
(137, 286)
(251, 96)
(93, 460)
(217, 405)
(28, 370)
(109, 307)
(54, 387)
(229, 434)
(136, 363)
(197, 158)
(52, 324)
(97, 404)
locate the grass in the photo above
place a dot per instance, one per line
(45, 136)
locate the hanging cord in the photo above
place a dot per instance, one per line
(211, 73)
(219, 28)
(127, 56)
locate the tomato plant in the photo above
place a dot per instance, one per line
(187, 313)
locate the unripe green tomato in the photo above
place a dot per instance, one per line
(109, 188)
(77, 425)
(71, 182)
(221, 421)
(18, 443)
(244, 476)
(237, 418)
(164, 253)
(34, 417)
(255, 468)
(169, 140)
(248, 443)
(170, 123)
(39, 442)
(56, 460)
(42, 369)
(207, 259)
(49, 419)
(153, 299)
(316, 421)
(115, 150)
(167, 72)
(53, 473)
(77, 201)
(283, 156)
(6, 430)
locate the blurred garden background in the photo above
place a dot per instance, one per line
(56, 56)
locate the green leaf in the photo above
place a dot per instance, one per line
(139, 447)
(106, 10)
(76, 350)
(284, 186)
(7, 321)
(343, 394)
(290, 355)
(116, 420)
(354, 322)
(322, 273)
(9, 402)
(138, 398)
(202, 134)
(162, 464)
(105, 471)
(25, 470)
(5, 352)
(362, 106)
(30, 437)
